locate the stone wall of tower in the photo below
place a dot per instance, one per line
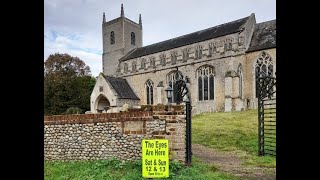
(112, 52)
(122, 28)
(131, 27)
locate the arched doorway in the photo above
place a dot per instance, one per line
(102, 103)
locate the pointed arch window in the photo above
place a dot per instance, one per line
(211, 87)
(185, 55)
(174, 57)
(263, 67)
(198, 52)
(133, 38)
(230, 46)
(149, 91)
(112, 38)
(152, 62)
(143, 64)
(210, 50)
(163, 59)
(214, 49)
(200, 91)
(225, 47)
(205, 75)
(171, 79)
(125, 67)
(205, 87)
(134, 66)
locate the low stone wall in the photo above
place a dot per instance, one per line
(119, 135)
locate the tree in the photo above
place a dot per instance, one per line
(67, 83)
(66, 65)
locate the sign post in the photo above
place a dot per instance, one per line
(155, 158)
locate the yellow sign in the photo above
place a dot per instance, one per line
(155, 158)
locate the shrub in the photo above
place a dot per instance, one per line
(73, 110)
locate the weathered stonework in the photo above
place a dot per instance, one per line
(107, 135)
(236, 51)
(249, 75)
(122, 28)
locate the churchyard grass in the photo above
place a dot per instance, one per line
(231, 131)
(115, 169)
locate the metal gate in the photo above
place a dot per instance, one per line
(267, 115)
(180, 91)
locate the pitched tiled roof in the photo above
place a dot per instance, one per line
(216, 31)
(264, 36)
(122, 87)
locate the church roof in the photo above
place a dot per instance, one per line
(264, 36)
(213, 32)
(122, 87)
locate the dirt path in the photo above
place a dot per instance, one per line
(231, 163)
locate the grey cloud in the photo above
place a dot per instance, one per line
(162, 19)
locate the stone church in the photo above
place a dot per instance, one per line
(221, 64)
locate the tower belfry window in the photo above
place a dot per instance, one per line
(112, 39)
(133, 38)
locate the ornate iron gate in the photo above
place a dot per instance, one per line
(180, 91)
(267, 115)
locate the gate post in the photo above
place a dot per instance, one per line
(260, 128)
(260, 106)
(188, 132)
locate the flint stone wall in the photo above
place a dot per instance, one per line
(118, 135)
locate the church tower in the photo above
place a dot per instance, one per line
(119, 36)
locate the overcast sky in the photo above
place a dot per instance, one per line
(74, 26)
